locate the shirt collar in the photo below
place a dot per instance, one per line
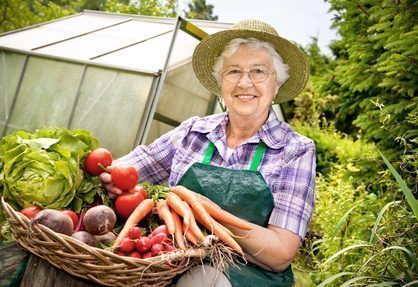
(272, 133)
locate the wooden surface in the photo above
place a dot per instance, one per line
(11, 257)
(40, 273)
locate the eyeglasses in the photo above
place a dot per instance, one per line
(257, 75)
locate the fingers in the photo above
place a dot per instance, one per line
(112, 191)
(105, 177)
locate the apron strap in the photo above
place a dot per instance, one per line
(258, 156)
(208, 154)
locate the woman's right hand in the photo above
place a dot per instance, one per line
(107, 183)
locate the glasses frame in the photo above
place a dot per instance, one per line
(248, 72)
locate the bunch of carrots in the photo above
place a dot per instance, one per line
(188, 216)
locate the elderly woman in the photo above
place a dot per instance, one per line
(246, 160)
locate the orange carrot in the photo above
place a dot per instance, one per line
(178, 206)
(139, 213)
(189, 235)
(194, 228)
(164, 213)
(222, 215)
(178, 235)
(190, 197)
(225, 237)
(223, 234)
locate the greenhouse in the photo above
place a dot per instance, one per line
(126, 78)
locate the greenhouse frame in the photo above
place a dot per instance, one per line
(126, 78)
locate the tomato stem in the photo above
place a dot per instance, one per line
(103, 168)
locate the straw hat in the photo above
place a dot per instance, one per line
(211, 47)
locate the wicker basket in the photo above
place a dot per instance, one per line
(98, 265)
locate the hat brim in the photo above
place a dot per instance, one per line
(211, 47)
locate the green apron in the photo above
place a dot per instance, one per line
(245, 194)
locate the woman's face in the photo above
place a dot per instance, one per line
(244, 97)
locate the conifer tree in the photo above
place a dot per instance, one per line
(375, 76)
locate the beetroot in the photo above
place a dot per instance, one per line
(55, 220)
(106, 238)
(99, 220)
(85, 237)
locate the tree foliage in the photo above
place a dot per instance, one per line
(198, 9)
(375, 76)
(22, 13)
(164, 8)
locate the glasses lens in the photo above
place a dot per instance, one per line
(258, 75)
(232, 75)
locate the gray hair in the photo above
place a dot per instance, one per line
(281, 69)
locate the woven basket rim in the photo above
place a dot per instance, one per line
(104, 266)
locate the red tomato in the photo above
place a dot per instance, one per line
(30, 211)
(126, 203)
(96, 156)
(141, 190)
(124, 177)
(72, 215)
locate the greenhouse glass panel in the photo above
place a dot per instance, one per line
(46, 95)
(106, 40)
(111, 105)
(149, 55)
(56, 31)
(183, 48)
(11, 65)
(157, 129)
(183, 96)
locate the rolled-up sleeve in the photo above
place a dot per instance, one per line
(293, 189)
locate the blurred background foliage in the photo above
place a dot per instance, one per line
(361, 99)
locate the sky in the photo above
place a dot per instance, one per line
(295, 20)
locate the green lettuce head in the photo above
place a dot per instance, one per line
(45, 168)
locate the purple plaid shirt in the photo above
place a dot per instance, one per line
(288, 164)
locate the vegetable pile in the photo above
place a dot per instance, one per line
(45, 169)
(46, 175)
(183, 218)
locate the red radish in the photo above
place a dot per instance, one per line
(128, 245)
(168, 247)
(147, 254)
(160, 229)
(135, 254)
(135, 232)
(143, 244)
(158, 238)
(121, 253)
(156, 249)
